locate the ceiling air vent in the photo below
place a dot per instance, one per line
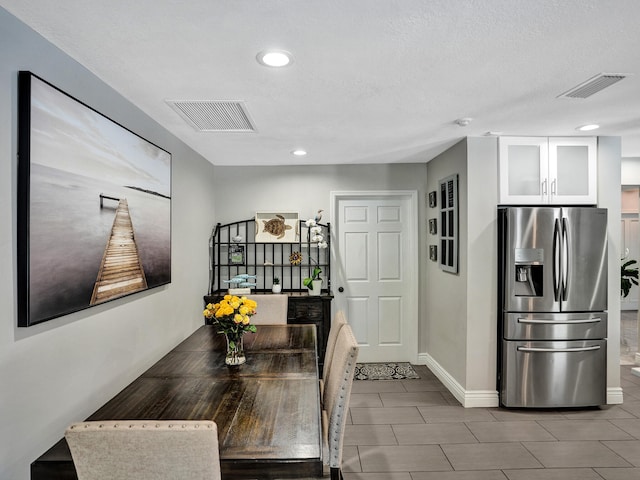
(593, 85)
(214, 115)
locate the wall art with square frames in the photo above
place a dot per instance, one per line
(449, 224)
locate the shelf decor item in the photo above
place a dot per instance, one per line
(236, 254)
(315, 231)
(276, 287)
(295, 258)
(277, 227)
(232, 318)
(314, 282)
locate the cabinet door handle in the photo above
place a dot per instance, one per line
(553, 186)
(544, 186)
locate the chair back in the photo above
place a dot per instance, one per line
(272, 309)
(145, 449)
(337, 391)
(339, 320)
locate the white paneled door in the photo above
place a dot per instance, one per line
(376, 278)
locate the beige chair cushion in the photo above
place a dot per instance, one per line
(159, 450)
(337, 390)
(272, 309)
(339, 319)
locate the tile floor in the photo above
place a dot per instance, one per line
(416, 430)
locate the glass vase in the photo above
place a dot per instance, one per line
(235, 350)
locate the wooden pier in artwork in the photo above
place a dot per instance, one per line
(121, 271)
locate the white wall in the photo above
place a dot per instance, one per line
(609, 182)
(64, 369)
(482, 260)
(630, 171)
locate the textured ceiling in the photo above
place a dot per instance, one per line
(372, 80)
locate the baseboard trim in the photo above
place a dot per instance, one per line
(614, 395)
(487, 398)
(468, 398)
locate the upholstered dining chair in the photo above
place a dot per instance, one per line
(337, 390)
(145, 449)
(339, 320)
(272, 309)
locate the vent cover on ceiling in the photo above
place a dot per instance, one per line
(214, 115)
(593, 85)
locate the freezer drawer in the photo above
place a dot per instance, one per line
(554, 374)
(555, 326)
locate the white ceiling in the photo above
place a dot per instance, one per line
(372, 81)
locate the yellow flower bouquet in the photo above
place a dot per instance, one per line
(232, 317)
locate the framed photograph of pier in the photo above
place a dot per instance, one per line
(94, 206)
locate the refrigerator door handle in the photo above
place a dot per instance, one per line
(556, 260)
(559, 350)
(565, 258)
(563, 322)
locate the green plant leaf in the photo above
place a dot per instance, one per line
(628, 277)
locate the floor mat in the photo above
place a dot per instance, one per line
(385, 371)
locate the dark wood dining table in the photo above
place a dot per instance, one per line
(267, 410)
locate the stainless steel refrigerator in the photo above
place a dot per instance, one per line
(552, 322)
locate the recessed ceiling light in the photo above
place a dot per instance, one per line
(586, 128)
(299, 152)
(274, 58)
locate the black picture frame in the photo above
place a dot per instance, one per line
(449, 228)
(94, 206)
(433, 226)
(236, 255)
(433, 199)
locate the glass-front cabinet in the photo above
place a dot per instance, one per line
(548, 170)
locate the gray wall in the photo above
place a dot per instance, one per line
(63, 370)
(240, 191)
(305, 189)
(446, 293)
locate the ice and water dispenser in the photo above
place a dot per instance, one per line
(529, 272)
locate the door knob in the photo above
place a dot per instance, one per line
(340, 289)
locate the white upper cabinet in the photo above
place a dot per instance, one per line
(554, 170)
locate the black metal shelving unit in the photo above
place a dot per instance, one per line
(266, 260)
